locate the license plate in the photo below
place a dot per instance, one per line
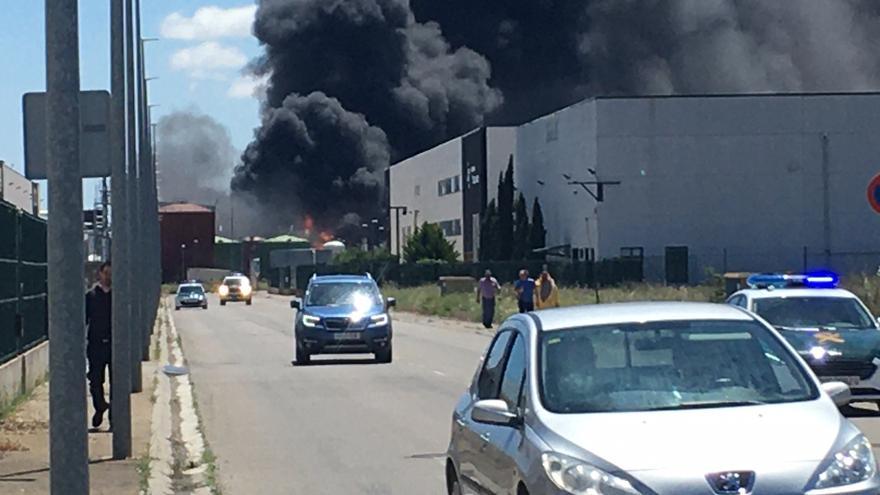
(347, 336)
(849, 380)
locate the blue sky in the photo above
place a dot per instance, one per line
(203, 47)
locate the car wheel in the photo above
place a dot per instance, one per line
(302, 357)
(385, 356)
(176, 308)
(222, 302)
(453, 486)
(248, 302)
(205, 307)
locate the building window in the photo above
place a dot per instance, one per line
(418, 190)
(632, 252)
(449, 186)
(451, 227)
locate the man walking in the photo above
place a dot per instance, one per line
(486, 292)
(525, 292)
(98, 322)
(546, 291)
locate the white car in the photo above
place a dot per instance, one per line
(235, 288)
(831, 328)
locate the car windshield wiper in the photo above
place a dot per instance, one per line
(710, 404)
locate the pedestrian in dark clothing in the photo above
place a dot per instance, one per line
(525, 292)
(486, 293)
(98, 350)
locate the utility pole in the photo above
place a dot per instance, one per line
(120, 381)
(397, 211)
(68, 437)
(135, 243)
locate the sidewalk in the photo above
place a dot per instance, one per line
(24, 447)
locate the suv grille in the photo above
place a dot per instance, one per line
(336, 323)
(861, 369)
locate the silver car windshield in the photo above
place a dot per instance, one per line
(814, 312)
(343, 294)
(667, 365)
(189, 290)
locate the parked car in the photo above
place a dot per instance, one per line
(652, 399)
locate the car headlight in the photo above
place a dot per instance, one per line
(379, 320)
(246, 290)
(311, 321)
(223, 290)
(579, 478)
(851, 464)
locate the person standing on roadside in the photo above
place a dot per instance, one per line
(525, 292)
(546, 291)
(486, 292)
(98, 321)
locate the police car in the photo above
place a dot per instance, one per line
(831, 328)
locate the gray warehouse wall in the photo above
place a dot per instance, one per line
(741, 176)
(560, 143)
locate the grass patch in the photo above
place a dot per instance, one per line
(143, 468)
(426, 299)
(211, 475)
(13, 406)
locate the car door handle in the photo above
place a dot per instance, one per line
(485, 437)
(459, 422)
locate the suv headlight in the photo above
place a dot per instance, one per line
(379, 320)
(579, 478)
(311, 321)
(246, 290)
(224, 290)
(851, 464)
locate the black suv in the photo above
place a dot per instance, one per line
(342, 314)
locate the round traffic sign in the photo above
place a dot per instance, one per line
(874, 193)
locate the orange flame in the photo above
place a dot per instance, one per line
(308, 224)
(326, 236)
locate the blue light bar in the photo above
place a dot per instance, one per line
(821, 280)
(814, 280)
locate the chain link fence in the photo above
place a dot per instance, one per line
(23, 289)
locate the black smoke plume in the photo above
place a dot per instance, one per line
(424, 71)
(393, 86)
(195, 158)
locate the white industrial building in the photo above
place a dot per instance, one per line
(450, 185)
(752, 182)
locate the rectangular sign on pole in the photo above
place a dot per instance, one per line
(94, 136)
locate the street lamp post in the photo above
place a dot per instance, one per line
(182, 262)
(397, 211)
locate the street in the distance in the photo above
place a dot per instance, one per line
(343, 424)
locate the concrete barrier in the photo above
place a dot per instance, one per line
(23, 374)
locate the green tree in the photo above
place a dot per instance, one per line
(505, 214)
(489, 233)
(521, 231)
(358, 256)
(429, 243)
(537, 232)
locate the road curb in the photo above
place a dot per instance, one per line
(177, 448)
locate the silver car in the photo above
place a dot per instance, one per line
(652, 398)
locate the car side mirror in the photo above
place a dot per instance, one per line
(838, 391)
(391, 302)
(494, 412)
(296, 304)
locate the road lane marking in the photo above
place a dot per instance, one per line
(439, 373)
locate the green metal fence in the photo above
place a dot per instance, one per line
(23, 272)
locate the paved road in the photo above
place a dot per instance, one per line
(340, 426)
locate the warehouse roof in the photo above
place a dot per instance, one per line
(183, 208)
(287, 238)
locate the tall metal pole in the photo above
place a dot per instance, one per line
(68, 437)
(120, 381)
(143, 266)
(134, 244)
